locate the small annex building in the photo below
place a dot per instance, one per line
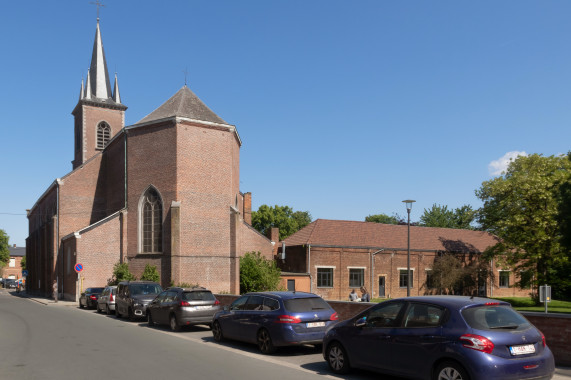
(163, 191)
(13, 270)
(339, 256)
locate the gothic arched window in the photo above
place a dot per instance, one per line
(151, 211)
(103, 134)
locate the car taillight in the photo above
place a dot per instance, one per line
(477, 342)
(184, 303)
(543, 339)
(492, 303)
(334, 317)
(287, 319)
(111, 297)
(216, 303)
(93, 297)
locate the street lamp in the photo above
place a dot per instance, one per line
(408, 203)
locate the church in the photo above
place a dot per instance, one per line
(163, 191)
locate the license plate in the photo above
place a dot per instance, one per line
(523, 349)
(315, 324)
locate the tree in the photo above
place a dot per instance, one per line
(564, 212)
(446, 273)
(385, 219)
(457, 273)
(520, 207)
(150, 273)
(257, 273)
(23, 263)
(4, 251)
(440, 216)
(121, 273)
(282, 217)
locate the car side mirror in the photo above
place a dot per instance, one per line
(226, 308)
(361, 322)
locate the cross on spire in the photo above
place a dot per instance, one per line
(98, 4)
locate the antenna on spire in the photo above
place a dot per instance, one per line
(98, 4)
(185, 71)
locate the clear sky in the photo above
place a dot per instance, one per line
(345, 108)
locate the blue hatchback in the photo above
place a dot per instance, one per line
(274, 319)
(438, 338)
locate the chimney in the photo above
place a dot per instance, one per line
(274, 234)
(248, 208)
(14, 245)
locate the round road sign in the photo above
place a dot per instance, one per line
(78, 267)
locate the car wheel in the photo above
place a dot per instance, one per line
(265, 342)
(150, 319)
(450, 371)
(117, 314)
(80, 305)
(174, 324)
(337, 358)
(98, 309)
(107, 310)
(130, 314)
(217, 332)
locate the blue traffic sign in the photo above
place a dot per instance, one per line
(78, 267)
(24, 273)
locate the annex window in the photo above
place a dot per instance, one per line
(504, 279)
(151, 218)
(356, 277)
(403, 278)
(103, 134)
(429, 280)
(324, 277)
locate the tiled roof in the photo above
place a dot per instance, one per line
(183, 104)
(342, 233)
(17, 251)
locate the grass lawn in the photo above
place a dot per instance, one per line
(527, 304)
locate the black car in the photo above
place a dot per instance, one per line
(89, 298)
(10, 283)
(179, 307)
(133, 297)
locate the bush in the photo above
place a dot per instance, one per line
(151, 273)
(121, 273)
(257, 274)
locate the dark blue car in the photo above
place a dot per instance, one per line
(438, 338)
(274, 319)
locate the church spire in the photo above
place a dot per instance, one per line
(98, 84)
(116, 95)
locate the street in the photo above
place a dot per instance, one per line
(61, 341)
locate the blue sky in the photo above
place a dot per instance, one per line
(345, 108)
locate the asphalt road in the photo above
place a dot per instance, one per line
(65, 342)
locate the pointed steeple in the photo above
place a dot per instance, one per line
(99, 76)
(87, 94)
(116, 95)
(81, 91)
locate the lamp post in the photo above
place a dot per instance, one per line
(408, 203)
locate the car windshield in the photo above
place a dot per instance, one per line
(145, 289)
(198, 296)
(298, 305)
(494, 318)
(95, 290)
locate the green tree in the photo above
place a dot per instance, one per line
(282, 217)
(521, 208)
(564, 212)
(257, 273)
(121, 273)
(446, 274)
(150, 273)
(4, 251)
(384, 219)
(23, 263)
(441, 216)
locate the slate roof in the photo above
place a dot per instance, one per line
(183, 104)
(341, 233)
(17, 251)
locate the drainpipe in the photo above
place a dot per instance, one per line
(309, 268)
(57, 235)
(373, 270)
(492, 278)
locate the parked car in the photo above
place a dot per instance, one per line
(10, 283)
(179, 307)
(440, 337)
(106, 301)
(274, 319)
(89, 298)
(133, 297)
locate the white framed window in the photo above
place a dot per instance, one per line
(403, 278)
(504, 279)
(325, 277)
(12, 263)
(356, 277)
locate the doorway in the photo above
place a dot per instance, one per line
(382, 286)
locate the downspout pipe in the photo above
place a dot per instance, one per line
(309, 268)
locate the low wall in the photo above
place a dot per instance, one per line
(555, 327)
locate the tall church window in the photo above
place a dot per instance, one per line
(151, 222)
(103, 134)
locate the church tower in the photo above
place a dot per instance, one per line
(99, 114)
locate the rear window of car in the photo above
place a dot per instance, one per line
(143, 289)
(298, 305)
(198, 296)
(96, 290)
(494, 318)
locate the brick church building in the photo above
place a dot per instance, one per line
(163, 191)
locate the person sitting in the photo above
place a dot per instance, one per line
(353, 296)
(365, 296)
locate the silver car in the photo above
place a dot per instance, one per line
(106, 301)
